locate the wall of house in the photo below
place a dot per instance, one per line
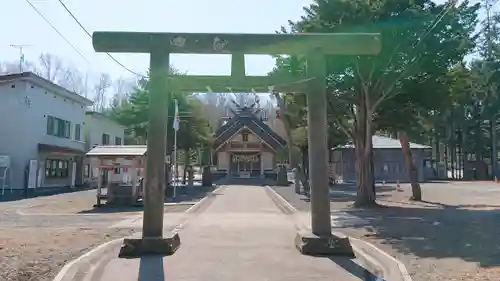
(47, 103)
(14, 140)
(28, 106)
(96, 126)
(344, 164)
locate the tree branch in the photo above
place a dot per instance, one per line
(339, 122)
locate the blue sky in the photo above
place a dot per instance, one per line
(20, 24)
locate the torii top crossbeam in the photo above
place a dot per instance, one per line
(238, 45)
(229, 43)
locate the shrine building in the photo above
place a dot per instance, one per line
(247, 147)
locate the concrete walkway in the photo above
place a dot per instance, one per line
(241, 235)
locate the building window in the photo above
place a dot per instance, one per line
(117, 171)
(105, 139)
(244, 136)
(51, 128)
(77, 131)
(56, 168)
(58, 127)
(118, 141)
(86, 170)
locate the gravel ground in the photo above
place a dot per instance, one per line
(39, 235)
(82, 203)
(451, 236)
(28, 254)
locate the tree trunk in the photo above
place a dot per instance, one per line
(294, 160)
(410, 166)
(494, 153)
(465, 153)
(364, 178)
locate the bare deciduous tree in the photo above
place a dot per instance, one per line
(100, 89)
(51, 67)
(74, 80)
(121, 86)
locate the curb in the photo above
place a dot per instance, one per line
(371, 257)
(86, 262)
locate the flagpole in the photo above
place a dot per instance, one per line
(175, 164)
(176, 128)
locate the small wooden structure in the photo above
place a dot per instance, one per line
(125, 166)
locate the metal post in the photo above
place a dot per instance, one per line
(494, 150)
(157, 135)
(176, 165)
(318, 146)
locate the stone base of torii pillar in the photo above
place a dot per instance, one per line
(137, 247)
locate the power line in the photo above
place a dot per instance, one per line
(57, 31)
(90, 35)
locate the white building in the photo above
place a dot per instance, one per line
(101, 130)
(42, 127)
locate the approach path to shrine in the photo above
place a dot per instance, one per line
(241, 234)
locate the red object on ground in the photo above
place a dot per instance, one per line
(398, 187)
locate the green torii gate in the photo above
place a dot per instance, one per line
(313, 46)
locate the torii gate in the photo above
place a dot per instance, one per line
(313, 46)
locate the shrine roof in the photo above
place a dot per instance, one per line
(246, 119)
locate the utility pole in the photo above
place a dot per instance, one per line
(21, 55)
(491, 85)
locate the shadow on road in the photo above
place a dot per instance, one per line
(424, 229)
(437, 231)
(151, 269)
(355, 269)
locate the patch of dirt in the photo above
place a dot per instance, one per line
(28, 254)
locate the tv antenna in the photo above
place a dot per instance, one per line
(21, 54)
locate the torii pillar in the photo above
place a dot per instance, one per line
(318, 240)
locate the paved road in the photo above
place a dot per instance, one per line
(241, 235)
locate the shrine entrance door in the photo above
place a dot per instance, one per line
(245, 164)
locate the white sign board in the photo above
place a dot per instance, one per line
(33, 169)
(4, 161)
(73, 174)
